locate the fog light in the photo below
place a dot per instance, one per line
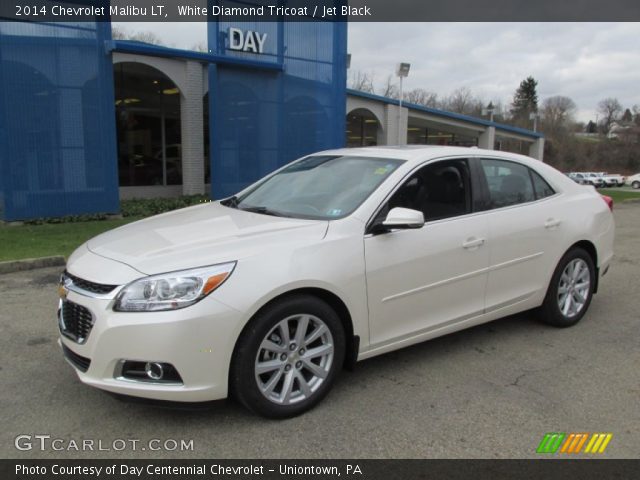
(149, 372)
(154, 370)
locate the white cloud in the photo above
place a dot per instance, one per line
(584, 61)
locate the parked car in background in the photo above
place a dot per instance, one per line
(585, 179)
(339, 256)
(596, 180)
(611, 179)
(579, 178)
(633, 181)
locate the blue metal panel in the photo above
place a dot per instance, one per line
(261, 120)
(128, 46)
(56, 107)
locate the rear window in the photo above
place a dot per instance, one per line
(540, 186)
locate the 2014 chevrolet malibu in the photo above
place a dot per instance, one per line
(336, 257)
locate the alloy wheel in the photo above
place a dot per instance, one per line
(574, 287)
(294, 359)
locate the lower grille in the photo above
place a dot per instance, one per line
(78, 361)
(76, 321)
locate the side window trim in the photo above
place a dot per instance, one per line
(479, 187)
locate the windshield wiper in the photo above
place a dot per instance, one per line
(231, 202)
(263, 210)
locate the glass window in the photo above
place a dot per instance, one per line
(362, 128)
(147, 126)
(540, 185)
(509, 183)
(439, 190)
(323, 187)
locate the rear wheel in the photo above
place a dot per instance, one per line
(287, 359)
(571, 290)
(636, 184)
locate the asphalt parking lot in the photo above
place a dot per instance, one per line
(489, 392)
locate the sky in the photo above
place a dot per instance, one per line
(584, 61)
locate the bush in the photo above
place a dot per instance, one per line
(146, 207)
(137, 207)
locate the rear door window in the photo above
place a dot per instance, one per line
(509, 183)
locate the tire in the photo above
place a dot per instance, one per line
(635, 185)
(565, 310)
(260, 374)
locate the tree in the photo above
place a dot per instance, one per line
(636, 114)
(420, 96)
(627, 117)
(144, 36)
(591, 127)
(362, 81)
(460, 100)
(118, 33)
(463, 101)
(390, 89)
(200, 47)
(525, 101)
(610, 109)
(557, 114)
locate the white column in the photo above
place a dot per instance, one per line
(487, 139)
(536, 149)
(192, 130)
(390, 126)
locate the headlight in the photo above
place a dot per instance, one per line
(173, 290)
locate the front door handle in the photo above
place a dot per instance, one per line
(551, 223)
(473, 243)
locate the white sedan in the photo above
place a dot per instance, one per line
(633, 181)
(337, 257)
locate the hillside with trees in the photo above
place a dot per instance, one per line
(611, 142)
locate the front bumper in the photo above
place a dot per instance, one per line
(198, 341)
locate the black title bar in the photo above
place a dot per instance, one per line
(119, 469)
(321, 10)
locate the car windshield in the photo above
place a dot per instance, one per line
(323, 187)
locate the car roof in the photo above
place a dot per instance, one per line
(419, 153)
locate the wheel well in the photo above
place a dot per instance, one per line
(335, 302)
(590, 248)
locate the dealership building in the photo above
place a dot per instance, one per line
(86, 121)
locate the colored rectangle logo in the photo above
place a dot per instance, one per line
(574, 443)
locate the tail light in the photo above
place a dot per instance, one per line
(608, 200)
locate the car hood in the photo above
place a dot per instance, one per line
(201, 235)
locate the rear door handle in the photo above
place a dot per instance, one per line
(551, 223)
(473, 243)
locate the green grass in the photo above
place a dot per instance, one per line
(620, 195)
(32, 241)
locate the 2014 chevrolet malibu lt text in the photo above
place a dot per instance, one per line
(334, 258)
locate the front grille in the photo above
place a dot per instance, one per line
(75, 321)
(78, 361)
(92, 287)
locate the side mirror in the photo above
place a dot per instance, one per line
(400, 219)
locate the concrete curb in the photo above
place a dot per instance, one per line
(31, 264)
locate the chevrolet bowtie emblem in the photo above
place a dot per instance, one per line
(62, 292)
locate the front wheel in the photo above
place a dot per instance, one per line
(636, 185)
(288, 357)
(571, 290)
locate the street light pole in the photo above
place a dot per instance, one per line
(489, 111)
(400, 111)
(534, 116)
(402, 70)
